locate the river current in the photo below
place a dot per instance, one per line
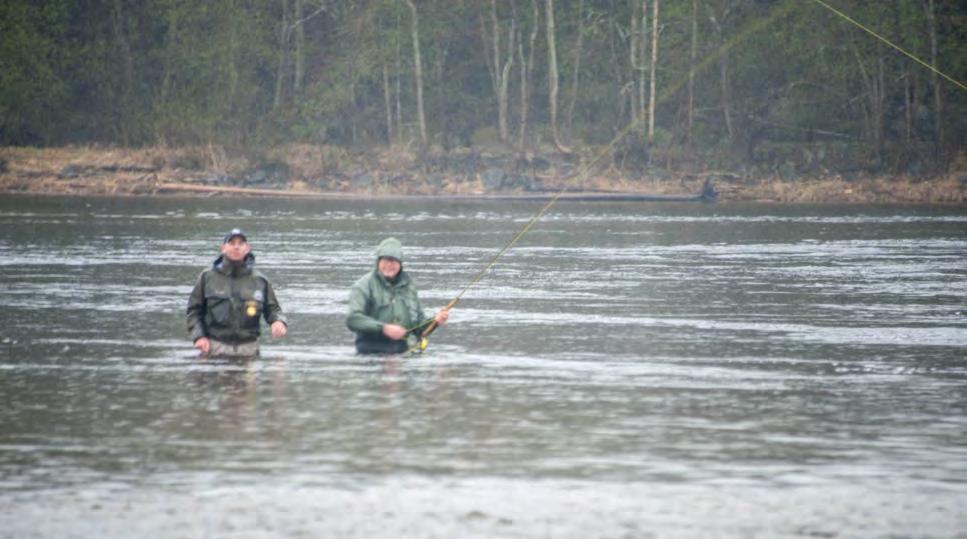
(626, 370)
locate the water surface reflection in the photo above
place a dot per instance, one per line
(627, 370)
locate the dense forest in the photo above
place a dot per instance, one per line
(768, 85)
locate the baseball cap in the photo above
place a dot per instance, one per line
(232, 233)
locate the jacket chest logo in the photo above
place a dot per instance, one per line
(257, 295)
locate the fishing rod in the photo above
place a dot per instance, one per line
(422, 341)
(431, 326)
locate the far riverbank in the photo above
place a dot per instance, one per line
(327, 172)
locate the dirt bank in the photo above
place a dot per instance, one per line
(304, 170)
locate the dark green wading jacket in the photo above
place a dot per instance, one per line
(228, 301)
(374, 302)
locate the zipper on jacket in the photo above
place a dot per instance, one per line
(233, 287)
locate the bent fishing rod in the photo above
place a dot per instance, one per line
(583, 172)
(431, 326)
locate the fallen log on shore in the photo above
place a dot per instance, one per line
(707, 194)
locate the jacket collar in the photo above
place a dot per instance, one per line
(226, 267)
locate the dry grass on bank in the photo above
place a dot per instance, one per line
(310, 168)
(948, 190)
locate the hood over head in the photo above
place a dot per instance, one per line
(390, 248)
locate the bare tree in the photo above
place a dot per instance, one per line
(638, 50)
(500, 70)
(724, 82)
(930, 9)
(904, 73)
(642, 72)
(502, 97)
(387, 99)
(873, 104)
(385, 58)
(578, 49)
(441, 48)
(635, 35)
(418, 71)
(907, 107)
(127, 62)
(552, 76)
(526, 72)
(300, 49)
(283, 54)
(654, 64)
(297, 25)
(692, 59)
(399, 75)
(232, 59)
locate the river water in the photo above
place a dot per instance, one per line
(627, 370)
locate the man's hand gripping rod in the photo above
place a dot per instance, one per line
(422, 343)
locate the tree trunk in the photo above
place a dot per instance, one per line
(642, 78)
(873, 102)
(500, 70)
(880, 102)
(614, 61)
(387, 99)
(503, 110)
(654, 63)
(524, 97)
(526, 73)
(725, 86)
(865, 102)
(167, 78)
(692, 59)
(283, 56)
(572, 102)
(633, 38)
(127, 65)
(399, 76)
(233, 47)
(930, 9)
(439, 68)
(353, 117)
(552, 76)
(300, 49)
(492, 59)
(907, 108)
(903, 67)
(418, 72)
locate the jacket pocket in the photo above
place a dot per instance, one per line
(219, 307)
(384, 313)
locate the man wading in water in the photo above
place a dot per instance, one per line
(384, 309)
(229, 299)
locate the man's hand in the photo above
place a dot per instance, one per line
(203, 344)
(279, 329)
(394, 331)
(441, 317)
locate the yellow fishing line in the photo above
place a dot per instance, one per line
(890, 43)
(586, 168)
(669, 90)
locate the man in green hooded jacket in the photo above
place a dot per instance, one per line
(229, 299)
(384, 309)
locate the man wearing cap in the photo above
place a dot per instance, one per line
(384, 309)
(229, 299)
